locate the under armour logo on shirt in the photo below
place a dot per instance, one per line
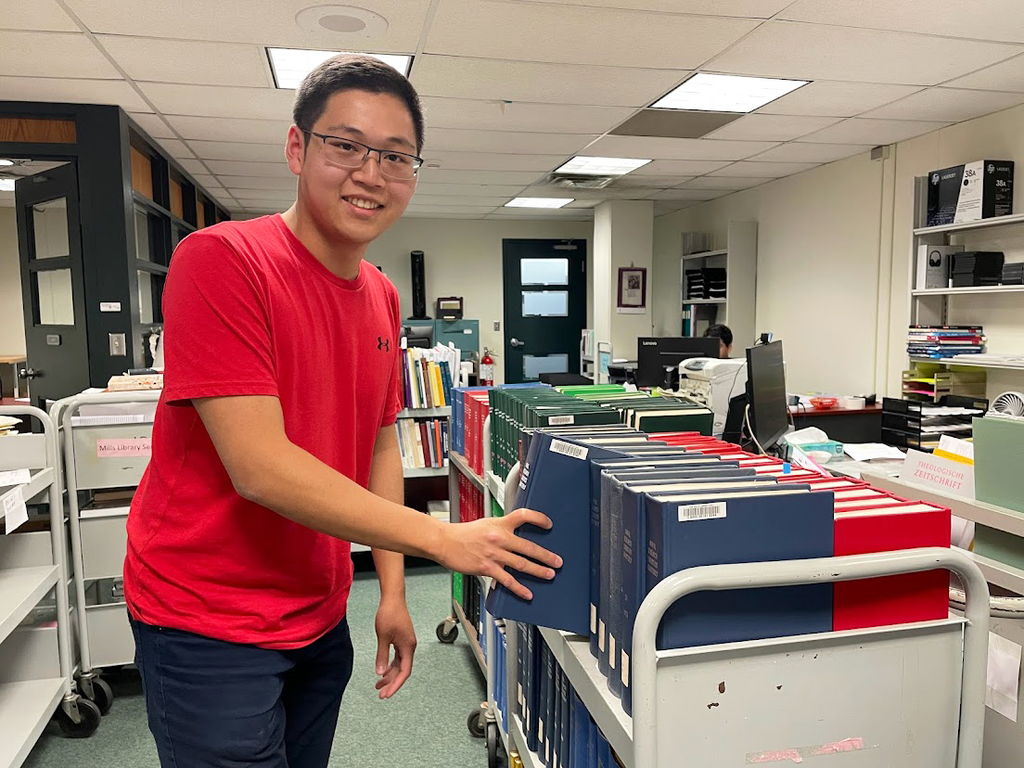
(383, 344)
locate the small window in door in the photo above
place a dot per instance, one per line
(50, 229)
(545, 303)
(544, 271)
(535, 365)
(52, 297)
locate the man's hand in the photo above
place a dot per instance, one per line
(394, 629)
(487, 546)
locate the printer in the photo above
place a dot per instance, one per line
(713, 382)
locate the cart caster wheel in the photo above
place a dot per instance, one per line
(102, 696)
(447, 632)
(476, 723)
(89, 720)
(495, 752)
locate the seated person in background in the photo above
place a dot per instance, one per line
(724, 336)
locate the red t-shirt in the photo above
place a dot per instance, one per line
(250, 311)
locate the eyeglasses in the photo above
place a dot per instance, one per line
(346, 153)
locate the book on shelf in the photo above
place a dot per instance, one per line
(422, 443)
(426, 377)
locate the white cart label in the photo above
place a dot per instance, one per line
(568, 449)
(117, 449)
(693, 512)
(14, 477)
(14, 509)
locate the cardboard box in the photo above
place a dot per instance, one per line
(933, 265)
(970, 192)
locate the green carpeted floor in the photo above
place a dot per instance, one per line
(425, 724)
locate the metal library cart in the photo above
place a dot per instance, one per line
(485, 721)
(102, 452)
(35, 633)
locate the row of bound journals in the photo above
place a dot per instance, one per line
(423, 443)
(652, 505)
(426, 378)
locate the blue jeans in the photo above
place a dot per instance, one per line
(213, 704)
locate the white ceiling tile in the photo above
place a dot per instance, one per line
(440, 188)
(52, 54)
(859, 130)
(269, 205)
(249, 193)
(227, 150)
(818, 52)
(751, 9)
(771, 127)
(252, 21)
(836, 99)
(458, 140)
(579, 195)
(799, 152)
(473, 201)
(675, 149)
(241, 168)
(536, 82)
(220, 101)
(635, 180)
(233, 183)
(496, 115)
(493, 161)
(230, 129)
(451, 208)
(38, 15)
(192, 165)
(478, 177)
(457, 216)
(731, 183)
(664, 207)
(153, 125)
(1005, 76)
(766, 170)
(953, 18)
(536, 32)
(542, 213)
(689, 194)
(679, 168)
(189, 61)
(177, 149)
(116, 92)
(947, 105)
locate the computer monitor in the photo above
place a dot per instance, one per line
(659, 356)
(418, 333)
(766, 393)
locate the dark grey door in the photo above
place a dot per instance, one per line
(53, 292)
(545, 289)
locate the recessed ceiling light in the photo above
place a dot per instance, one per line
(602, 166)
(6, 185)
(726, 93)
(291, 65)
(539, 202)
(5, 162)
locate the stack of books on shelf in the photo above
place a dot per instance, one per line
(426, 377)
(705, 283)
(937, 341)
(976, 268)
(1013, 274)
(423, 442)
(557, 725)
(632, 508)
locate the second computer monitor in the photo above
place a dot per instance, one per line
(766, 393)
(656, 354)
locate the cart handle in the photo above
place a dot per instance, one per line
(811, 571)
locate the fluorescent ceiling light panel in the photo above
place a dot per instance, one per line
(602, 166)
(6, 185)
(726, 93)
(291, 65)
(5, 161)
(539, 202)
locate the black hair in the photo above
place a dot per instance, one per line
(719, 332)
(350, 72)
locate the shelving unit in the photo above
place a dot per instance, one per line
(739, 258)
(411, 473)
(35, 634)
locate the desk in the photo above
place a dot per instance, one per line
(847, 425)
(14, 361)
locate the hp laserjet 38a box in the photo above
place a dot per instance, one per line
(970, 192)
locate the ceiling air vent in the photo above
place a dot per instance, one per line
(570, 181)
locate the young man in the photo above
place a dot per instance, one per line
(724, 336)
(274, 447)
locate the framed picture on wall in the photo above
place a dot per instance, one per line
(632, 294)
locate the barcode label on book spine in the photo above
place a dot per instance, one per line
(557, 421)
(625, 669)
(568, 449)
(693, 512)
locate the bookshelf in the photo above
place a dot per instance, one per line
(739, 259)
(413, 473)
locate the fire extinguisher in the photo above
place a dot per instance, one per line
(486, 369)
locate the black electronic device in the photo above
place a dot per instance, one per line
(419, 286)
(418, 333)
(658, 357)
(766, 393)
(449, 308)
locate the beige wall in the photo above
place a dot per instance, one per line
(463, 258)
(12, 319)
(834, 259)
